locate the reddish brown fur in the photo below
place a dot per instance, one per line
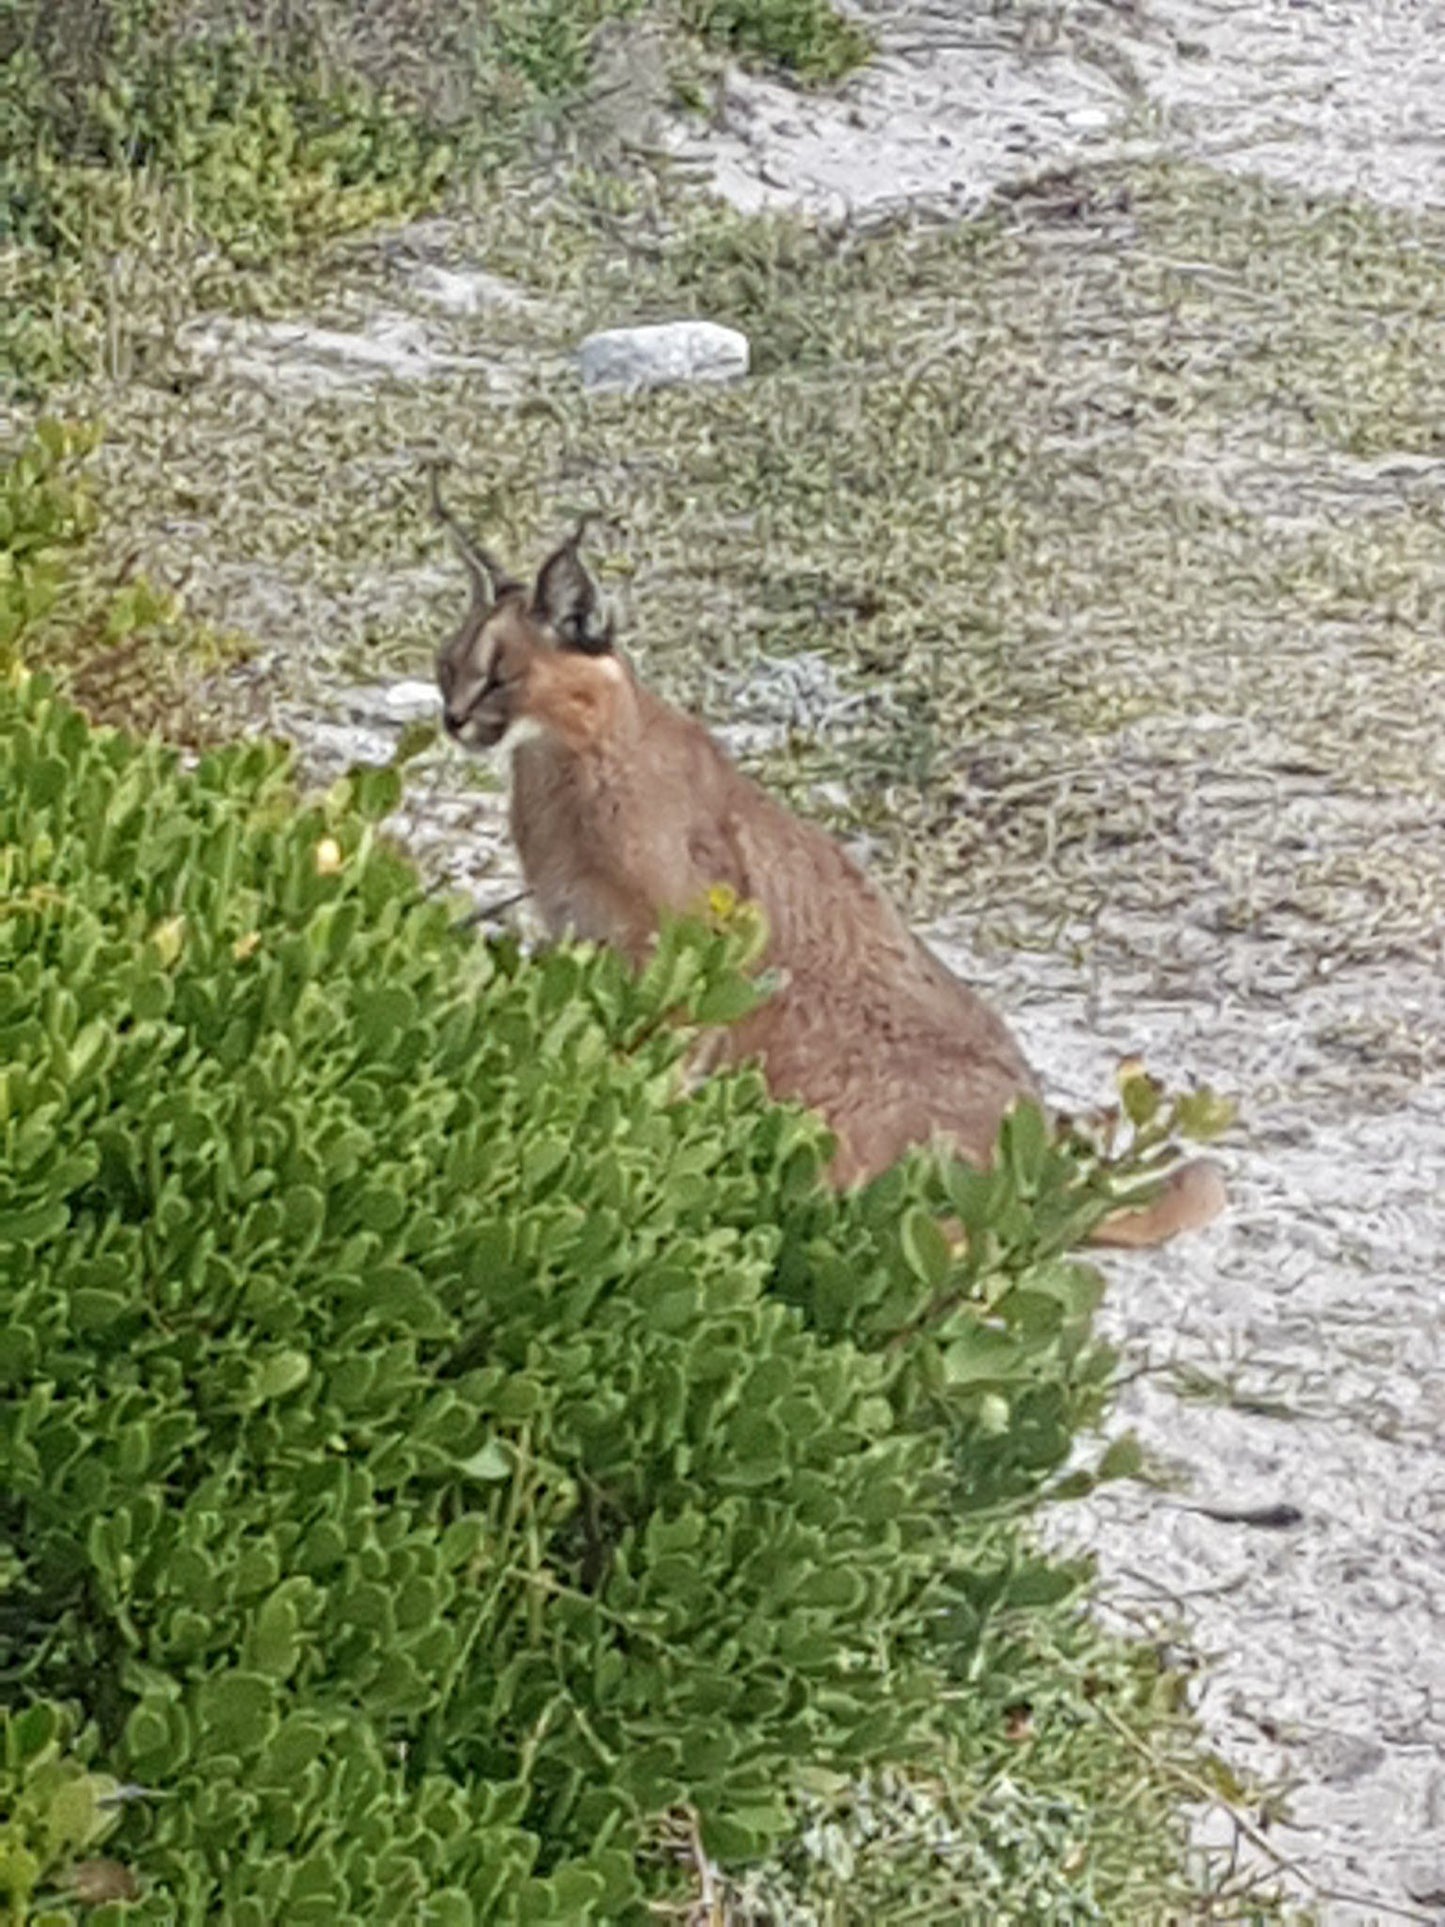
(623, 809)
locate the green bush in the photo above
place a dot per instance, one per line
(125, 647)
(266, 156)
(410, 1463)
(808, 37)
(52, 1810)
(443, 1463)
(406, 1461)
(131, 131)
(46, 513)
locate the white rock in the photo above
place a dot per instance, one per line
(668, 351)
(341, 743)
(390, 705)
(316, 360)
(413, 699)
(467, 290)
(750, 739)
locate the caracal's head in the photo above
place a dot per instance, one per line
(485, 670)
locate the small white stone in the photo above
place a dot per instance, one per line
(391, 705)
(467, 290)
(345, 743)
(411, 700)
(668, 351)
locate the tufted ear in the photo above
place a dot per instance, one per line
(565, 598)
(489, 579)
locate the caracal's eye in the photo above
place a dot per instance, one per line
(494, 673)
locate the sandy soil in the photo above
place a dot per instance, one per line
(1338, 98)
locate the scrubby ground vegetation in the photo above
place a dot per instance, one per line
(236, 132)
(457, 1478)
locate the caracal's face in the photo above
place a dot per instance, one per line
(482, 672)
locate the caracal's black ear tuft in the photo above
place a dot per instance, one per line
(565, 598)
(489, 579)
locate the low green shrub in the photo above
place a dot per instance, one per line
(809, 38)
(446, 1467)
(128, 131)
(548, 43)
(46, 513)
(394, 1426)
(53, 1811)
(434, 1450)
(392, 1448)
(261, 159)
(124, 647)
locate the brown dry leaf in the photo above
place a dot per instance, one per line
(94, 1882)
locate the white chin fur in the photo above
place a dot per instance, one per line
(526, 729)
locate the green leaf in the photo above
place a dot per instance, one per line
(29, 1734)
(449, 1907)
(542, 1159)
(994, 1415)
(94, 1311)
(835, 1586)
(1124, 1459)
(973, 1195)
(274, 1646)
(1034, 1315)
(236, 1711)
(304, 1214)
(1140, 1094)
(1039, 1582)
(381, 1207)
(298, 1741)
(47, 781)
(37, 1223)
(147, 1731)
(726, 1000)
(925, 1248)
(383, 1014)
(465, 1537)
(376, 791)
(491, 1462)
(151, 993)
(520, 1397)
(73, 1817)
(19, 1350)
(981, 1353)
(279, 1374)
(1024, 1138)
(53, 436)
(416, 738)
(1203, 1115)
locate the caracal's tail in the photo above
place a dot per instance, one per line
(1192, 1196)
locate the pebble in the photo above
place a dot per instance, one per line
(662, 353)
